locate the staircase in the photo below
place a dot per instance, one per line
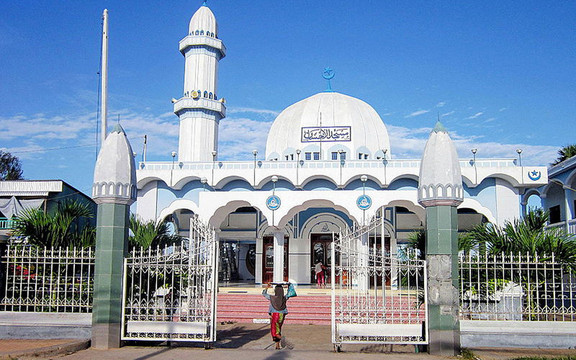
(249, 308)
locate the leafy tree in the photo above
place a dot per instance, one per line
(67, 226)
(527, 236)
(565, 153)
(10, 167)
(147, 234)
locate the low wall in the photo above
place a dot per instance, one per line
(521, 334)
(18, 325)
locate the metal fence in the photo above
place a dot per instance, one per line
(516, 287)
(170, 293)
(47, 280)
(377, 298)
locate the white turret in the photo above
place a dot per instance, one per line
(200, 109)
(440, 177)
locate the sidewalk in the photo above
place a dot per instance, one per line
(249, 341)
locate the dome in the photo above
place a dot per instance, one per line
(440, 180)
(115, 171)
(322, 124)
(203, 21)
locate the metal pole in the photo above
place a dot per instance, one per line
(104, 90)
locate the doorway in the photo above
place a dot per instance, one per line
(268, 259)
(320, 250)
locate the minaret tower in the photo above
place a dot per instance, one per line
(200, 108)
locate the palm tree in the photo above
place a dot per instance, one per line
(67, 226)
(147, 234)
(565, 153)
(527, 236)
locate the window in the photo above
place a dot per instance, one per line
(334, 155)
(365, 156)
(286, 157)
(197, 32)
(360, 156)
(308, 156)
(291, 156)
(343, 155)
(316, 155)
(555, 214)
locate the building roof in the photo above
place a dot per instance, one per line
(203, 20)
(330, 111)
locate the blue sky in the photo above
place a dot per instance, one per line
(500, 74)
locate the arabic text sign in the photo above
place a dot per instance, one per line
(326, 134)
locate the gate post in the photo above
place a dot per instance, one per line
(440, 192)
(114, 190)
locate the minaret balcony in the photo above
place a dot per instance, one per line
(203, 41)
(187, 103)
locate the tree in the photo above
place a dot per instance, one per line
(147, 234)
(67, 226)
(527, 236)
(565, 153)
(10, 167)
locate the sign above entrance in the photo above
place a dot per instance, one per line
(273, 202)
(326, 133)
(364, 202)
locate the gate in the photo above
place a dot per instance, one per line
(365, 309)
(170, 293)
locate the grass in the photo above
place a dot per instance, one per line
(545, 358)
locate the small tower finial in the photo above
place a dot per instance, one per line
(328, 74)
(204, 3)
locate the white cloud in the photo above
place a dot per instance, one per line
(417, 113)
(503, 109)
(475, 115)
(441, 104)
(237, 110)
(253, 133)
(448, 113)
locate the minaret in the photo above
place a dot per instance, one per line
(200, 109)
(440, 192)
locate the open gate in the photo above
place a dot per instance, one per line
(376, 297)
(170, 293)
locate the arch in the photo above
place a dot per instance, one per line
(197, 32)
(177, 205)
(228, 179)
(508, 178)
(205, 94)
(148, 179)
(336, 221)
(371, 178)
(412, 207)
(476, 206)
(571, 179)
(405, 180)
(314, 203)
(220, 214)
(305, 183)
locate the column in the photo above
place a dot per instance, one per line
(363, 257)
(111, 246)
(278, 256)
(443, 280)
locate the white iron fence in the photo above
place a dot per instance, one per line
(516, 287)
(376, 298)
(170, 293)
(47, 280)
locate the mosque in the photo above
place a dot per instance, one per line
(328, 166)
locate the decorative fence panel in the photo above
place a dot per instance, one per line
(170, 293)
(376, 298)
(516, 287)
(48, 280)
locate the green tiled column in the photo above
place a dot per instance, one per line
(443, 280)
(111, 246)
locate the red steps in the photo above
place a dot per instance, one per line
(245, 308)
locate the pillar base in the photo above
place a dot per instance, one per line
(106, 336)
(444, 342)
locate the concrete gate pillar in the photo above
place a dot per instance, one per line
(114, 190)
(440, 192)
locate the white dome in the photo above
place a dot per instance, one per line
(343, 122)
(115, 170)
(440, 180)
(203, 21)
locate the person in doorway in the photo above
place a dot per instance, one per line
(320, 278)
(277, 309)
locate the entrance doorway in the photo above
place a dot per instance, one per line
(379, 248)
(321, 250)
(268, 259)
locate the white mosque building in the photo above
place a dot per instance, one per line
(328, 166)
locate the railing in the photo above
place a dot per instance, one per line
(6, 224)
(48, 280)
(562, 225)
(311, 164)
(516, 287)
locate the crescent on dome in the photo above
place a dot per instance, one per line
(328, 73)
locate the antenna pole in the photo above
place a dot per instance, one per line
(104, 88)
